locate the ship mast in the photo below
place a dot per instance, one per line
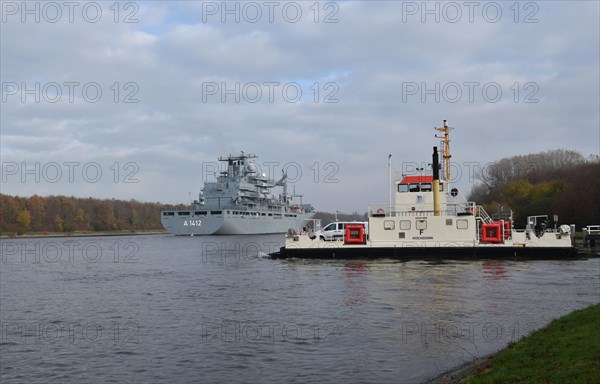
(445, 148)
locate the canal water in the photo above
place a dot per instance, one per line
(154, 309)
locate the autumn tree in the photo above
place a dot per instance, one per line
(24, 221)
(559, 182)
(69, 214)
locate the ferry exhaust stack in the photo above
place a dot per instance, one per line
(436, 182)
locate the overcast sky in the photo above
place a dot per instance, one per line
(136, 100)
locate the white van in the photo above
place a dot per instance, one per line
(337, 230)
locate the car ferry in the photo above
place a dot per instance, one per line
(429, 219)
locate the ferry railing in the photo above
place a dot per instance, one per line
(471, 207)
(591, 234)
(591, 230)
(309, 227)
(410, 210)
(480, 213)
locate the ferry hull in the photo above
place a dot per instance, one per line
(434, 253)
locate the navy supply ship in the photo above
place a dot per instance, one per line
(239, 202)
(431, 220)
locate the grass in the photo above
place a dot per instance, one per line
(565, 351)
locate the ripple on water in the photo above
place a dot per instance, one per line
(177, 316)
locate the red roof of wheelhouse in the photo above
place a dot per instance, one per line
(417, 179)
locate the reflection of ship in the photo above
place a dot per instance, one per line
(238, 203)
(429, 219)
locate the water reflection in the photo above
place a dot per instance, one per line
(209, 307)
(494, 269)
(354, 281)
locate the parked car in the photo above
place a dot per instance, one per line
(336, 230)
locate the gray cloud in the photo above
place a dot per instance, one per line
(167, 61)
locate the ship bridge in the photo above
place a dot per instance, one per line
(415, 193)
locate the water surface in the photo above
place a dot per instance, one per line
(153, 309)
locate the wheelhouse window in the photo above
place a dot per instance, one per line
(418, 187)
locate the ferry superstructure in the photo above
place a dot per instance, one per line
(238, 202)
(429, 219)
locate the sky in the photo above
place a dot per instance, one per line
(137, 100)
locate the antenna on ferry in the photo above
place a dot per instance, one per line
(390, 181)
(445, 148)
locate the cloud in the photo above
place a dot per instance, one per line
(333, 91)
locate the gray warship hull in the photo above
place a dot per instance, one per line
(229, 222)
(238, 202)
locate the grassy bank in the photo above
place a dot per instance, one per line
(565, 351)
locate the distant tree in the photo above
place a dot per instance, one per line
(554, 182)
(327, 217)
(68, 214)
(36, 205)
(133, 218)
(24, 221)
(104, 217)
(59, 224)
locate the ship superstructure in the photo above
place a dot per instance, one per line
(239, 201)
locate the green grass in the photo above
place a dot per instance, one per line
(565, 351)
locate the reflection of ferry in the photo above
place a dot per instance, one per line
(238, 203)
(429, 219)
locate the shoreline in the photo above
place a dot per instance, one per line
(537, 357)
(460, 374)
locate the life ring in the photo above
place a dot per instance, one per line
(473, 211)
(380, 211)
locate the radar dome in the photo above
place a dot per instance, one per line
(251, 167)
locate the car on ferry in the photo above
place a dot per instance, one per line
(336, 230)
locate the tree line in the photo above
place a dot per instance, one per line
(561, 182)
(328, 217)
(64, 214)
(555, 182)
(20, 215)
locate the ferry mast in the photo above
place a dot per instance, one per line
(445, 148)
